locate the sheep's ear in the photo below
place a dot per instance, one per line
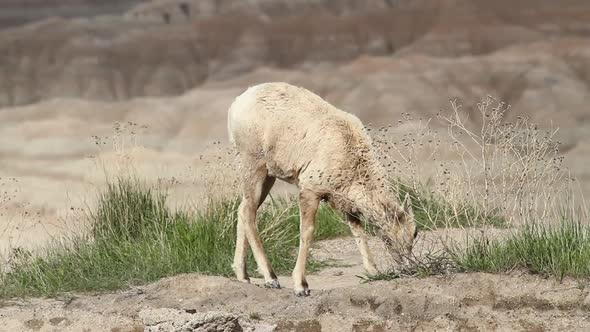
(407, 204)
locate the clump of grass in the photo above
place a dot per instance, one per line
(438, 263)
(432, 211)
(127, 211)
(135, 238)
(557, 250)
(381, 276)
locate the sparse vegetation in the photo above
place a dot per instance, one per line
(558, 250)
(514, 180)
(135, 238)
(499, 174)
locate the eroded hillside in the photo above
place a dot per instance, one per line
(503, 49)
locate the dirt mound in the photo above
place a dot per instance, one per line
(339, 302)
(459, 302)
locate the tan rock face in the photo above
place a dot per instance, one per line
(121, 56)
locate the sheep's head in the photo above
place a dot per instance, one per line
(399, 231)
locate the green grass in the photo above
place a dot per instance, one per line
(432, 211)
(134, 238)
(561, 250)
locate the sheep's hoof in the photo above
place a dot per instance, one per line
(304, 293)
(245, 280)
(274, 284)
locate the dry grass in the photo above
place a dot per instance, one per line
(8, 194)
(483, 170)
(482, 161)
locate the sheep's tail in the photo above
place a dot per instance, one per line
(243, 103)
(229, 129)
(231, 119)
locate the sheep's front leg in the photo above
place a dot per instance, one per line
(308, 206)
(360, 236)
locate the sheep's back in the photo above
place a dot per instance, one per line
(293, 128)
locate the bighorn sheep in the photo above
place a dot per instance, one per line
(282, 131)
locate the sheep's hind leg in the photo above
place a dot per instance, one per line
(241, 257)
(255, 189)
(360, 237)
(308, 206)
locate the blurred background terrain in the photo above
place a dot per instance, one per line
(84, 84)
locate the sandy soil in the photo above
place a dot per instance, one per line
(339, 302)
